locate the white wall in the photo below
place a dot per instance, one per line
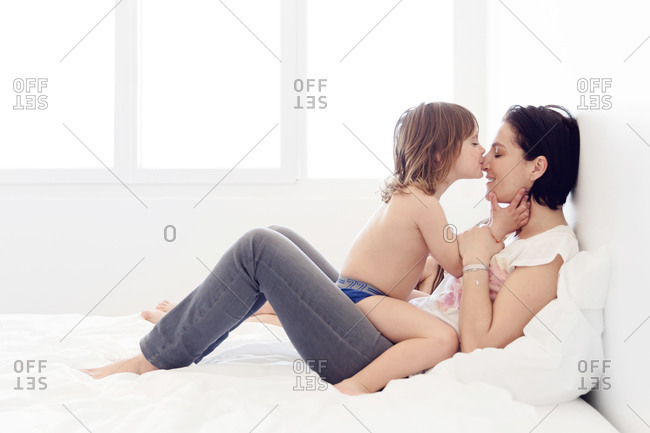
(612, 207)
(613, 210)
(66, 248)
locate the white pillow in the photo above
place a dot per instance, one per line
(552, 362)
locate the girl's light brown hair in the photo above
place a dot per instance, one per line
(427, 142)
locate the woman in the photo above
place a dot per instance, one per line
(331, 332)
(503, 288)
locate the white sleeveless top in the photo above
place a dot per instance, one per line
(539, 249)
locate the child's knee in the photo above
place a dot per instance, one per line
(447, 340)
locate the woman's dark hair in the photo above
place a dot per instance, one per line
(549, 131)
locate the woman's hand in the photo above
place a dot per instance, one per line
(477, 245)
(508, 219)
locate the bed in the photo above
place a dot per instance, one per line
(254, 381)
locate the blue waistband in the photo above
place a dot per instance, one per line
(350, 283)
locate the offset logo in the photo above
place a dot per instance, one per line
(449, 233)
(29, 93)
(306, 382)
(309, 92)
(169, 233)
(597, 380)
(593, 93)
(29, 375)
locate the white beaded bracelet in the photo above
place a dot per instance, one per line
(475, 267)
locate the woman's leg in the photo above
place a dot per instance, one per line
(326, 328)
(265, 313)
(309, 251)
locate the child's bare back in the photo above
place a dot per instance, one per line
(390, 251)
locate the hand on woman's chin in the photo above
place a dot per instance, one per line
(499, 199)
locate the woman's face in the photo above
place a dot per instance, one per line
(505, 167)
(468, 164)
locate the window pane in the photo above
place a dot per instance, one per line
(45, 84)
(210, 88)
(405, 60)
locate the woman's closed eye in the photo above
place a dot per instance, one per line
(494, 150)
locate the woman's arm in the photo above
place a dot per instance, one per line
(522, 295)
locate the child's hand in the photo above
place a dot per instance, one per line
(508, 219)
(476, 245)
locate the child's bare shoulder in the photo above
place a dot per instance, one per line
(417, 199)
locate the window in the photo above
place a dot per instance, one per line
(406, 59)
(210, 90)
(47, 81)
(162, 92)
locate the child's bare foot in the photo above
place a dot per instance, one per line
(137, 365)
(351, 387)
(154, 316)
(165, 306)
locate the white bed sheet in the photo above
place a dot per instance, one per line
(252, 382)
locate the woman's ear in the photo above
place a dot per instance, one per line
(539, 165)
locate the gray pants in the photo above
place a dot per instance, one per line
(278, 265)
